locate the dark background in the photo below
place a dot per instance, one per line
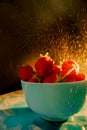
(31, 27)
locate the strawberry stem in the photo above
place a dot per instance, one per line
(46, 54)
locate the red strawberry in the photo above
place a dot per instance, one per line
(44, 66)
(56, 69)
(69, 68)
(80, 76)
(76, 77)
(25, 72)
(52, 78)
(69, 79)
(33, 79)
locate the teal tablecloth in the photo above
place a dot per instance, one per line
(15, 115)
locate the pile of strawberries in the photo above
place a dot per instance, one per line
(46, 71)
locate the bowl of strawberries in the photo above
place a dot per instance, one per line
(55, 92)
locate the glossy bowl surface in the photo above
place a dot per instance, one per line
(55, 101)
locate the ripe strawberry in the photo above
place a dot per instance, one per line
(33, 79)
(69, 79)
(56, 69)
(76, 77)
(44, 66)
(80, 76)
(25, 72)
(69, 68)
(52, 78)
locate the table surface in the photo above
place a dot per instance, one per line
(16, 115)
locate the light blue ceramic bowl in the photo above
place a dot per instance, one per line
(55, 101)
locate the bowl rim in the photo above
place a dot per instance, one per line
(76, 82)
